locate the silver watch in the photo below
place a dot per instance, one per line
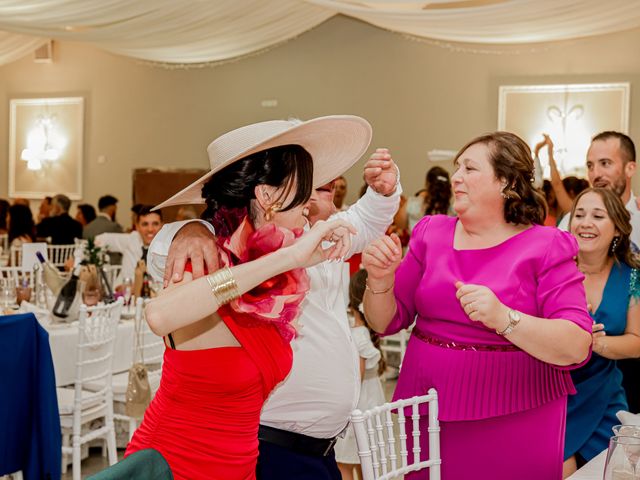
(514, 320)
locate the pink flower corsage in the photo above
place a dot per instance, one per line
(278, 299)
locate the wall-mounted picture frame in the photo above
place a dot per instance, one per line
(571, 114)
(46, 147)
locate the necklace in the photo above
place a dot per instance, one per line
(594, 272)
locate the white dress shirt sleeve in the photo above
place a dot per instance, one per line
(116, 242)
(371, 215)
(159, 248)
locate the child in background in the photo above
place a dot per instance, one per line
(372, 365)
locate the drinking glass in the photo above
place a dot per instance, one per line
(7, 293)
(622, 460)
(23, 293)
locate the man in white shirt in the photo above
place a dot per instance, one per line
(611, 163)
(134, 245)
(305, 413)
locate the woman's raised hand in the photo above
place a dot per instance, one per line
(381, 257)
(308, 250)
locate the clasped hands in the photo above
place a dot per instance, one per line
(381, 173)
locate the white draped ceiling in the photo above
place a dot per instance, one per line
(196, 31)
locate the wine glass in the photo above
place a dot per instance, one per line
(622, 460)
(127, 289)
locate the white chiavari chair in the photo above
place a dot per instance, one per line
(112, 272)
(16, 275)
(97, 328)
(59, 254)
(151, 355)
(378, 444)
(15, 256)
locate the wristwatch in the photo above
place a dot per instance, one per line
(514, 320)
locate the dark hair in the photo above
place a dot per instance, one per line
(21, 222)
(4, 209)
(88, 212)
(574, 185)
(627, 147)
(621, 219)
(232, 188)
(144, 210)
(357, 286)
(438, 192)
(136, 208)
(106, 201)
(512, 163)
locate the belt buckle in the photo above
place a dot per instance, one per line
(332, 442)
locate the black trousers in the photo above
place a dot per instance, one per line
(280, 463)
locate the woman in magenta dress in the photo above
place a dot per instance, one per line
(501, 317)
(228, 333)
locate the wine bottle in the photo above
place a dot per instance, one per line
(51, 275)
(67, 295)
(146, 288)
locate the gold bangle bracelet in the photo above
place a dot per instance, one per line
(223, 286)
(378, 292)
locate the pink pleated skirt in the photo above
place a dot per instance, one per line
(526, 445)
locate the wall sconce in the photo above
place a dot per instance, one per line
(44, 144)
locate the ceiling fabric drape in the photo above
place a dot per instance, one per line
(199, 31)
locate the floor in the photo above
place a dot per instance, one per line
(96, 462)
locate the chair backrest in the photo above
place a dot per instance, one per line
(395, 343)
(151, 345)
(58, 254)
(16, 256)
(112, 272)
(4, 241)
(97, 328)
(16, 275)
(378, 442)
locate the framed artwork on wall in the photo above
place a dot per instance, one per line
(46, 147)
(571, 114)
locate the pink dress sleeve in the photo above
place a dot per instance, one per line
(408, 277)
(560, 292)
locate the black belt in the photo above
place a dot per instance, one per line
(297, 442)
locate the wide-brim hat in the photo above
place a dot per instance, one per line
(335, 143)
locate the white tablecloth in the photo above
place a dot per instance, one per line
(64, 338)
(594, 470)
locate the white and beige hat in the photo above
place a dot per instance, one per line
(335, 143)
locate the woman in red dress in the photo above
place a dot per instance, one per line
(228, 333)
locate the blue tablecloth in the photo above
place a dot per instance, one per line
(30, 437)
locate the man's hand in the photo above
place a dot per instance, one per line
(381, 173)
(193, 242)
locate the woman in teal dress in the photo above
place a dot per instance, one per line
(601, 224)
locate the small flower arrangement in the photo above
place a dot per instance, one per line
(94, 255)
